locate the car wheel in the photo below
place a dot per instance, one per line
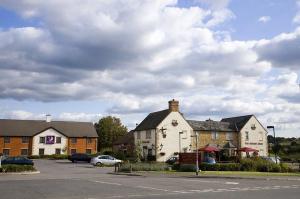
(99, 164)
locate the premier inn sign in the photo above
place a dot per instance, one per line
(50, 139)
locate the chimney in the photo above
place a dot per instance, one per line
(173, 106)
(48, 118)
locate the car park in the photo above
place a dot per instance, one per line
(17, 160)
(79, 157)
(102, 160)
(172, 160)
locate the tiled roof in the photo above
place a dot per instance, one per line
(237, 122)
(33, 127)
(152, 120)
(128, 138)
(209, 125)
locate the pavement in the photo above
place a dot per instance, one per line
(65, 180)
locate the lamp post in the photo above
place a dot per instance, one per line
(275, 145)
(197, 161)
(180, 133)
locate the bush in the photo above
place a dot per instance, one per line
(54, 156)
(220, 167)
(144, 167)
(187, 167)
(16, 168)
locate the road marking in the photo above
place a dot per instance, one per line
(111, 183)
(232, 183)
(152, 188)
(211, 181)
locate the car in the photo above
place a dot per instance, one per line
(210, 160)
(79, 157)
(105, 160)
(172, 160)
(271, 159)
(17, 160)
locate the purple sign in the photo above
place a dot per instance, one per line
(50, 139)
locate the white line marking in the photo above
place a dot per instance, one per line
(232, 183)
(152, 188)
(111, 183)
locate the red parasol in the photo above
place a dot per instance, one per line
(209, 149)
(247, 149)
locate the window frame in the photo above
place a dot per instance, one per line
(27, 152)
(89, 140)
(214, 135)
(25, 139)
(86, 151)
(56, 149)
(42, 140)
(56, 140)
(6, 149)
(229, 136)
(247, 135)
(5, 139)
(41, 149)
(148, 134)
(73, 140)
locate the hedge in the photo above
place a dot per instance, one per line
(144, 167)
(54, 156)
(16, 168)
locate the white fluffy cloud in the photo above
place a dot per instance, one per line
(139, 54)
(264, 19)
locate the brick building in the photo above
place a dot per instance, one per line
(46, 137)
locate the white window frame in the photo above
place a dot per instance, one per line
(247, 135)
(148, 134)
(214, 135)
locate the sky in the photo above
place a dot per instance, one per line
(81, 60)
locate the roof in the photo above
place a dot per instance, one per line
(152, 120)
(237, 122)
(210, 125)
(32, 127)
(128, 138)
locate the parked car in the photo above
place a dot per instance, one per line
(17, 160)
(271, 159)
(210, 160)
(172, 160)
(79, 157)
(105, 160)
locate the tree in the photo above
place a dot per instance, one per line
(109, 129)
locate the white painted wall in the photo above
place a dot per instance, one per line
(49, 148)
(257, 138)
(171, 142)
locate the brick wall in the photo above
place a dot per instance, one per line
(82, 144)
(15, 146)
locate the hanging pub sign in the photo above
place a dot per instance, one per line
(50, 139)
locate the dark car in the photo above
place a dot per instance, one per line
(172, 160)
(17, 160)
(79, 157)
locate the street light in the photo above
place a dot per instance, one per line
(275, 147)
(180, 133)
(197, 161)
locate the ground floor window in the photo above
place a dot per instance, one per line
(73, 151)
(57, 151)
(41, 151)
(6, 152)
(24, 152)
(89, 151)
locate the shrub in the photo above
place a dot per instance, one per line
(144, 167)
(220, 167)
(187, 167)
(54, 156)
(16, 168)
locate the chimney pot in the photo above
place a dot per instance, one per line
(48, 118)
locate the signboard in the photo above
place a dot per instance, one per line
(50, 139)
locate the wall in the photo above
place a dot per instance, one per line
(15, 145)
(49, 148)
(81, 145)
(205, 138)
(256, 141)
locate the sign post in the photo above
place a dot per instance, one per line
(0, 160)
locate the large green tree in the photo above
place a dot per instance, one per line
(109, 129)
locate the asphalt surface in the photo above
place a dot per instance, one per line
(64, 180)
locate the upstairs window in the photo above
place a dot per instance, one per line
(89, 140)
(58, 140)
(148, 134)
(6, 139)
(42, 140)
(138, 135)
(247, 136)
(73, 140)
(214, 135)
(229, 136)
(25, 139)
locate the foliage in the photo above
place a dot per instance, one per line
(137, 153)
(187, 168)
(109, 129)
(144, 167)
(54, 157)
(16, 168)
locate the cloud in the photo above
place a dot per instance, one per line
(296, 18)
(264, 19)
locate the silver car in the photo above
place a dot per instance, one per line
(105, 160)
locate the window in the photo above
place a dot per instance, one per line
(24, 152)
(247, 135)
(6, 152)
(6, 139)
(58, 140)
(41, 151)
(25, 139)
(42, 139)
(73, 151)
(57, 151)
(229, 136)
(214, 135)
(89, 140)
(150, 152)
(73, 140)
(138, 135)
(148, 134)
(88, 151)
